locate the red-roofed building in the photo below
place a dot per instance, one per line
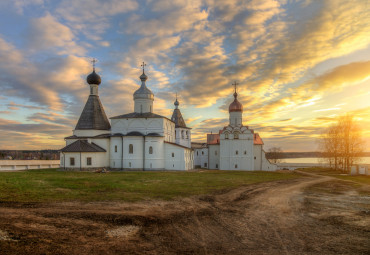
(235, 147)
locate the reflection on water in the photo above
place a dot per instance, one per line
(364, 160)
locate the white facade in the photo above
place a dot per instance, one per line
(140, 140)
(235, 147)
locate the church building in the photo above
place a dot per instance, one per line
(140, 140)
(235, 147)
(144, 140)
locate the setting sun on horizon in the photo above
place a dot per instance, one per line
(299, 65)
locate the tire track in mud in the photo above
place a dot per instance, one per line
(264, 218)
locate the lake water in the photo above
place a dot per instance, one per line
(364, 160)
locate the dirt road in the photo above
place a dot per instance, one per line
(310, 215)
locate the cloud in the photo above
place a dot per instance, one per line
(92, 17)
(47, 33)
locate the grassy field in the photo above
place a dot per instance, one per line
(54, 186)
(363, 179)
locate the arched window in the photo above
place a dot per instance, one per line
(150, 150)
(91, 90)
(173, 154)
(187, 134)
(175, 133)
(236, 152)
(131, 149)
(197, 153)
(115, 148)
(236, 135)
(202, 152)
(226, 135)
(182, 134)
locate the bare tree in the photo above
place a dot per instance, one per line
(274, 155)
(342, 144)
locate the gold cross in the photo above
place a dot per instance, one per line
(235, 84)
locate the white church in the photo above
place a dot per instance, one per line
(143, 140)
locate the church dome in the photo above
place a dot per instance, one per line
(93, 78)
(236, 106)
(143, 92)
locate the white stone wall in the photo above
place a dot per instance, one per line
(266, 165)
(197, 157)
(116, 152)
(154, 161)
(257, 157)
(183, 136)
(17, 165)
(133, 161)
(98, 159)
(143, 105)
(178, 158)
(237, 154)
(89, 132)
(214, 156)
(162, 126)
(235, 119)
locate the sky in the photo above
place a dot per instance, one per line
(299, 65)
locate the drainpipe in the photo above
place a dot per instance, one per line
(144, 154)
(122, 154)
(64, 159)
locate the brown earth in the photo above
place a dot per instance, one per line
(309, 215)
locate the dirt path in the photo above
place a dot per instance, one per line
(281, 217)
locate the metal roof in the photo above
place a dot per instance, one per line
(139, 115)
(83, 146)
(93, 115)
(178, 119)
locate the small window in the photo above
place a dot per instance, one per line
(129, 164)
(216, 153)
(226, 135)
(88, 161)
(187, 134)
(236, 152)
(236, 135)
(131, 149)
(115, 148)
(245, 152)
(173, 154)
(72, 161)
(91, 90)
(197, 153)
(205, 164)
(236, 165)
(255, 158)
(182, 134)
(216, 165)
(150, 150)
(202, 152)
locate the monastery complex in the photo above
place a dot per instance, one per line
(143, 140)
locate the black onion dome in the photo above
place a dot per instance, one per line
(93, 78)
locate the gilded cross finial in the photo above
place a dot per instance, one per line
(235, 84)
(94, 61)
(143, 65)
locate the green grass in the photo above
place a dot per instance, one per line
(55, 186)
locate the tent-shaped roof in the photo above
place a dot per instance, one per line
(178, 119)
(93, 115)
